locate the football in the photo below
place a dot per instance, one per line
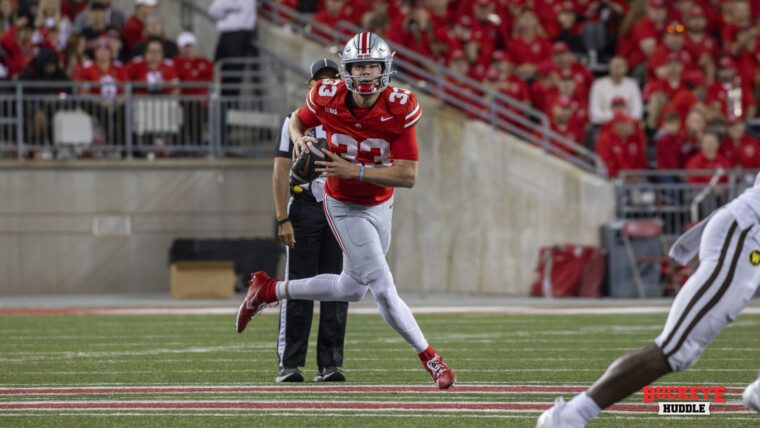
(303, 169)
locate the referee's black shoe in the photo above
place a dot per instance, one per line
(289, 374)
(330, 374)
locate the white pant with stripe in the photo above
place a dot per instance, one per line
(727, 277)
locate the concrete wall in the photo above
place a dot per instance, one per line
(108, 226)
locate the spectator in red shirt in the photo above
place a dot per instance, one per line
(728, 96)
(462, 94)
(569, 30)
(566, 124)
(376, 22)
(739, 14)
(440, 13)
(622, 147)
(18, 47)
(659, 91)
(415, 32)
(50, 19)
(195, 69)
(670, 144)
(133, 31)
(333, 13)
(641, 41)
(672, 43)
(690, 95)
(191, 67)
(74, 56)
(440, 45)
(564, 59)
(747, 52)
(154, 29)
(544, 87)
(508, 82)
(160, 75)
(741, 150)
(484, 30)
(707, 158)
(568, 87)
(702, 46)
(103, 71)
(528, 48)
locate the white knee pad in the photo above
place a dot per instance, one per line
(352, 289)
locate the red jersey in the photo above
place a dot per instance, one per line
(383, 135)
(195, 70)
(572, 131)
(718, 93)
(699, 161)
(748, 64)
(157, 78)
(681, 103)
(618, 154)
(745, 155)
(660, 57)
(108, 78)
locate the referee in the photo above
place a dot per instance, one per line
(311, 250)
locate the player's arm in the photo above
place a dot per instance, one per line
(280, 191)
(402, 174)
(302, 120)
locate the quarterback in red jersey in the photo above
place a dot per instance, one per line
(370, 127)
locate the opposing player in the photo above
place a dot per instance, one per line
(728, 275)
(373, 148)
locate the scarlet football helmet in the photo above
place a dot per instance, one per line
(366, 47)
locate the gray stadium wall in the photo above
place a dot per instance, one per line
(107, 226)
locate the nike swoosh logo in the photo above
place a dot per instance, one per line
(383, 119)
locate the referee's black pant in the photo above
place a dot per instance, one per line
(316, 251)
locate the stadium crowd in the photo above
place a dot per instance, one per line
(640, 82)
(91, 41)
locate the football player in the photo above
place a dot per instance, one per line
(728, 275)
(370, 127)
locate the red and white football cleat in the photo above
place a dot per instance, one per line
(255, 301)
(443, 376)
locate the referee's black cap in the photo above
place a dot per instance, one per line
(320, 65)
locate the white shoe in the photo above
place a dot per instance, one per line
(550, 418)
(751, 396)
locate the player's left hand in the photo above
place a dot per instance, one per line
(336, 166)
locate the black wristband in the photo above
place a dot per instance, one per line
(283, 221)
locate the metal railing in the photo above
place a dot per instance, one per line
(59, 120)
(674, 197)
(424, 74)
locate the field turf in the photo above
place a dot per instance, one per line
(194, 370)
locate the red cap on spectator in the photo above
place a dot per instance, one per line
(618, 101)
(457, 54)
(546, 68)
(563, 101)
(696, 11)
(695, 78)
(483, 2)
(560, 47)
(492, 74)
(517, 2)
(657, 3)
(500, 55)
(464, 21)
(727, 62)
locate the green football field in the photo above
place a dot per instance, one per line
(143, 370)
